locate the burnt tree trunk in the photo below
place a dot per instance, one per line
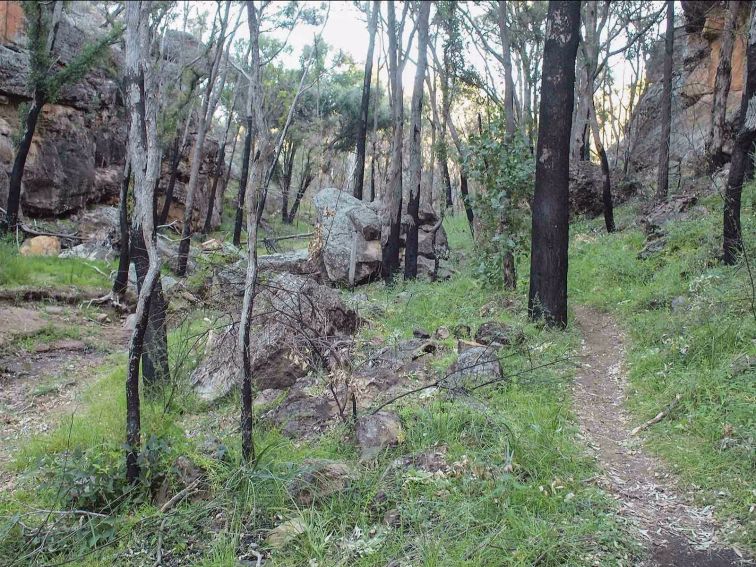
(662, 179)
(547, 297)
(19, 163)
(304, 184)
(507, 59)
(416, 151)
(393, 197)
(144, 155)
(122, 275)
(243, 180)
(362, 124)
(714, 141)
(175, 160)
(732, 235)
(214, 190)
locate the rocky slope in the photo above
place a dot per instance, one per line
(78, 152)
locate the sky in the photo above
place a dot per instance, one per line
(346, 30)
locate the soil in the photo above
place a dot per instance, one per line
(41, 379)
(649, 498)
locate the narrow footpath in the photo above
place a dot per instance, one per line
(676, 532)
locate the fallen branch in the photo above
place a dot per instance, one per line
(291, 237)
(48, 294)
(34, 232)
(659, 416)
(179, 496)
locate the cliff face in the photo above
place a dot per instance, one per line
(78, 152)
(696, 56)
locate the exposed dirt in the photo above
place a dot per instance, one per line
(41, 375)
(677, 533)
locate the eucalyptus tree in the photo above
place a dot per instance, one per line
(142, 98)
(547, 297)
(662, 179)
(415, 157)
(209, 104)
(359, 167)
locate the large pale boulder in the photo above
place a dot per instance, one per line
(40, 246)
(347, 226)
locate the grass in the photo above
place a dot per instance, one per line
(690, 349)
(486, 513)
(518, 495)
(42, 271)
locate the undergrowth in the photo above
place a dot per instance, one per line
(515, 494)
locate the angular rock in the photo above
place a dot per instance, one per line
(296, 262)
(295, 315)
(494, 333)
(475, 366)
(285, 533)
(376, 432)
(319, 479)
(342, 224)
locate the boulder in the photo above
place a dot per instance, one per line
(475, 366)
(345, 223)
(318, 479)
(294, 316)
(376, 432)
(41, 246)
(494, 333)
(659, 215)
(296, 262)
(585, 188)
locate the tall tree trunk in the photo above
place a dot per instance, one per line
(508, 82)
(547, 297)
(732, 241)
(220, 167)
(218, 174)
(145, 165)
(209, 103)
(714, 141)
(463, 188)
(246, 152)
(124, 258)
(662, 179)
(393, 197)
(304, 184)
(179, 145)
(286, 177)
(607, 185)
(416, 150)
(359, 167)
(19, 163)
(227, 175)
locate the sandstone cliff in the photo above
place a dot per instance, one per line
(78, 152)
(696, 56)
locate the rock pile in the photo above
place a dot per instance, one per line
(297, 322)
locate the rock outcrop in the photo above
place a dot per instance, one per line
(696, 57)
(79, 147)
